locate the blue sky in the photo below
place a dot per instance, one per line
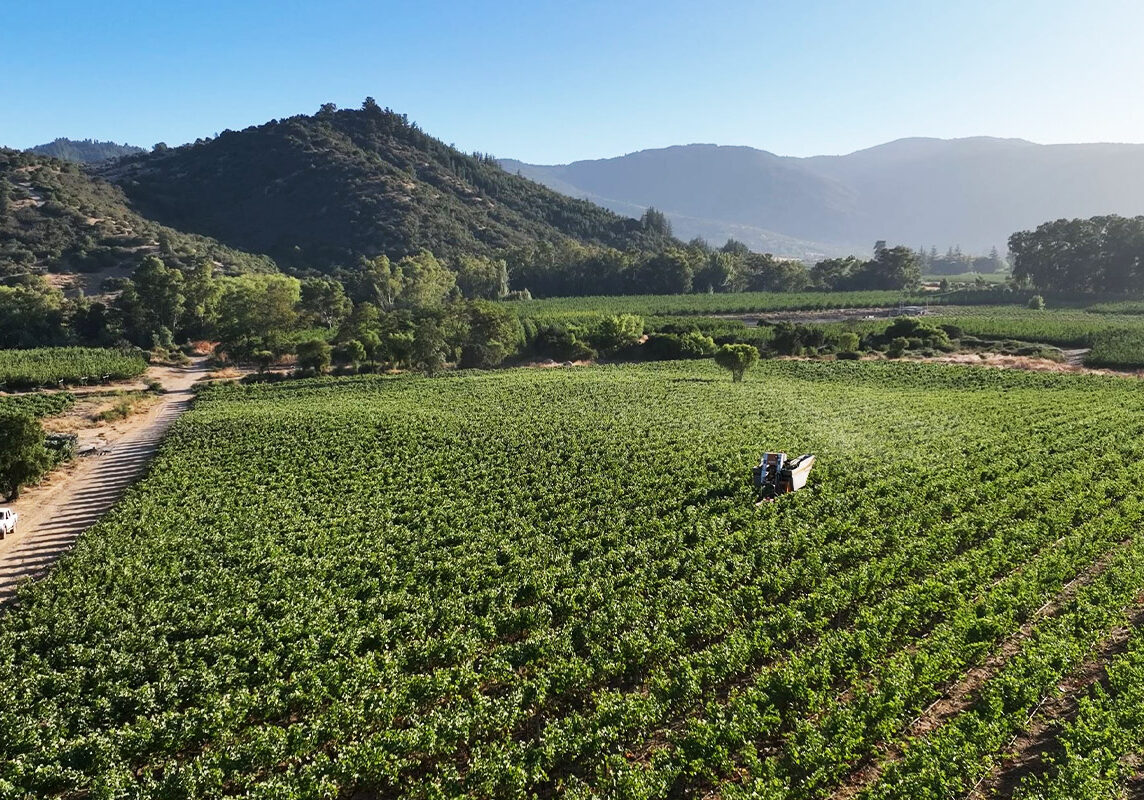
(556, 81)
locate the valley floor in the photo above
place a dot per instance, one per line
(556, 583)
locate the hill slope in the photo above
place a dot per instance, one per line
(56, 217)
(973, 192)
(327, 189)
(84, 151)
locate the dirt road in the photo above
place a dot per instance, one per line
(55, 513)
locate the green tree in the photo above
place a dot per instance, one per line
(201, 293)
(834, 273)
(667, 272)
(494, 333)
(257, 307)
(425, 280)
(264, 359)
(32, 315)
(765, 273)
(429, 347)
(656, 221)
(891, 268)
(23, 457)
(350, 354)
(480, 277)
(324, 302)
(160, 293)
(715, 272)
(378, 281)
(736, 248)
(737, 358)
(314, 355)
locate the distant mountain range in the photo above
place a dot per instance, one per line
(84, 151)
(327, 189)
(919, 192)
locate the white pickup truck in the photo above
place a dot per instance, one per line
(8, 519)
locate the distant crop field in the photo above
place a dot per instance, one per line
(556, 583)
(700, 304)
(70, 365)
(1118, 348)
(969, 277)
(1063, 327)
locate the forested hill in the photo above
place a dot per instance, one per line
(327, 189)
(56, 217)
(970, 192)
(84, 151)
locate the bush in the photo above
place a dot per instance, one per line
(898, 345)
(613, 333)
(695, 345)
(847, 342)
(953, 331)
(849, 355)
(1037, 303)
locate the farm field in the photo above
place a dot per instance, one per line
(38, 404)
(1064, 327)
(734, 303)
(982, 302)
(22, 369)
(555, 583)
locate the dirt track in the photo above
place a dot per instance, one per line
(55, 513)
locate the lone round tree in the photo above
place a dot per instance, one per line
(738, 358)
(23, 457)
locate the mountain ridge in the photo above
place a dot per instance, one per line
(328, 189)
(971, 191)
(84, 151)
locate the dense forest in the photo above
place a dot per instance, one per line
(325, 190)
(84, 151)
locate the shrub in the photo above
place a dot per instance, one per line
(898, 345)
(847, 342)
(612, 333)
(849, 355)
(694, 344)
(1036, 302)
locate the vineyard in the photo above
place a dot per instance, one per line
(38, 404)
(736, 303)
(555, 583)
(50, 366)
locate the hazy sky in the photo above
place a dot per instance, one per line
(556, 81)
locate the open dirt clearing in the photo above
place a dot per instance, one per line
(72, 499)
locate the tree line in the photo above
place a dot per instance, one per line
(414, 311)
(549, 269)
(1101, 254)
